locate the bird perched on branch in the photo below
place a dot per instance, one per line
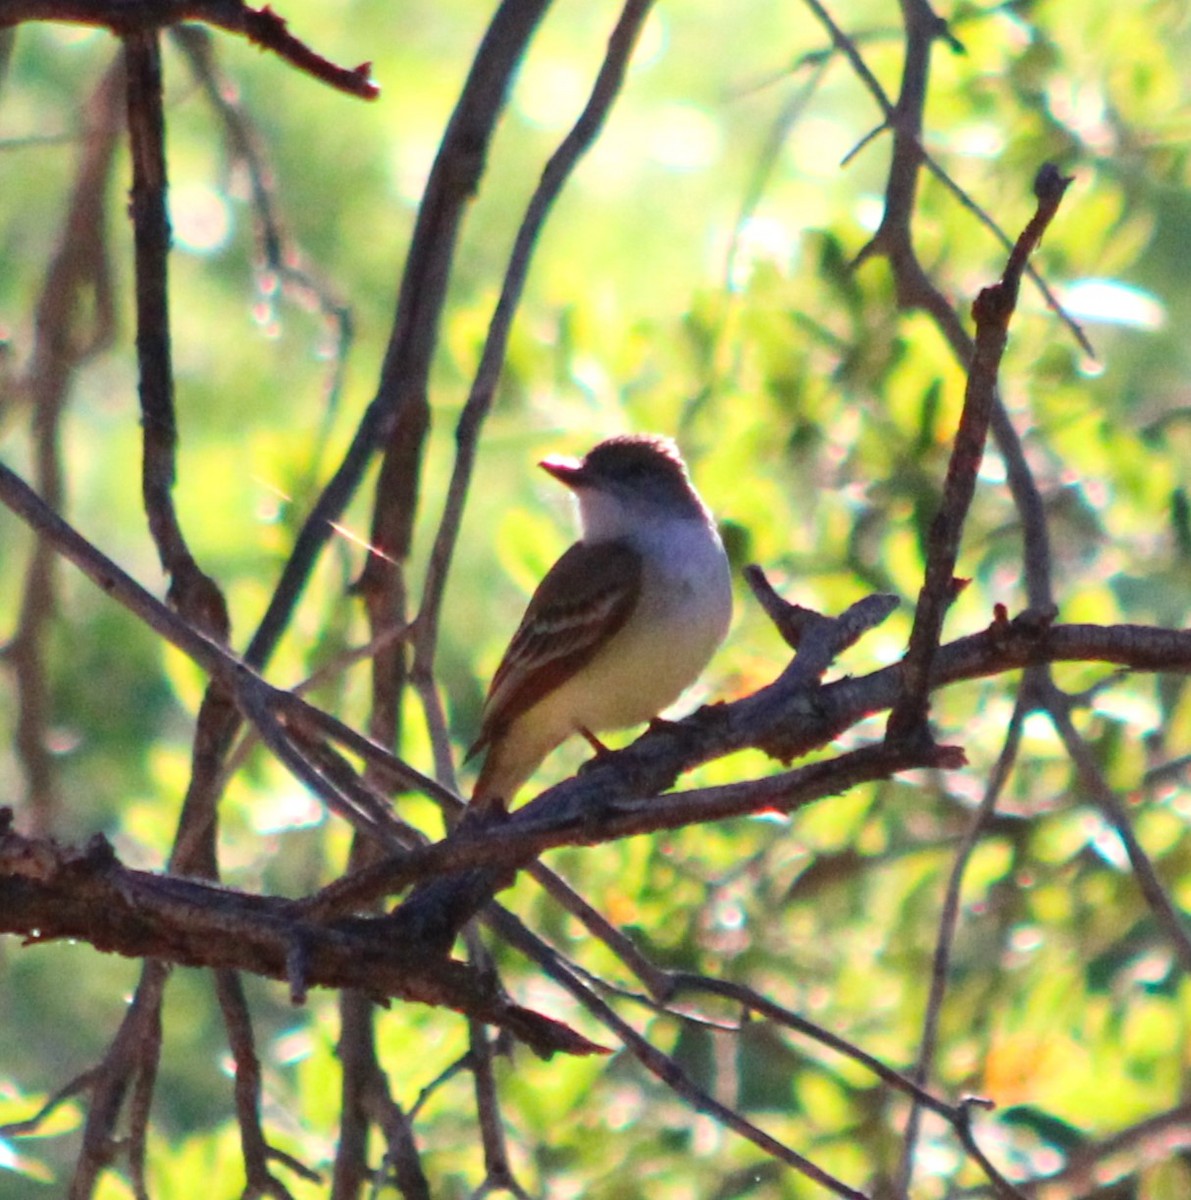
(624, 621)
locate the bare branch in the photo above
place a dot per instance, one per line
(131, 18)
(242, 1043)
(661, 1065)
(593, 806)
(949, 922)
(194, 594)
(1166, 912)
(131, 1061)
(992, 310)
(49, 892)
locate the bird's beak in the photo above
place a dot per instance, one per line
(568, 471)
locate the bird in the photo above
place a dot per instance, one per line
(621, 625)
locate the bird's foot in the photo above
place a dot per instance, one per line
(482, 811)
(601, 751)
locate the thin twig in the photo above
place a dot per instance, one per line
(1168, 916)
(78, 281)
(233, 1005)
(130, 1061)
(949, 923)
(78, 1086)
(281, 258)
(683, 982)
(658, 1064)
(498, 1172)
(557, 171)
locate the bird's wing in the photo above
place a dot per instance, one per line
(583, 600)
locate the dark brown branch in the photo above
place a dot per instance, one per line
(131, 1061)
(261, 26)
(266, 29)
(233, 1004)
(50, 892)
(992, 311)
(192, 592)
(592, 807)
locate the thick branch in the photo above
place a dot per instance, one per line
(50, 892)
(618, 794)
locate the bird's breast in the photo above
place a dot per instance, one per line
(680, 618)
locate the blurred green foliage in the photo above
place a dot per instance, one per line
(695, 279)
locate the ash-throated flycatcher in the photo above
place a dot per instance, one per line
(623, 622)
